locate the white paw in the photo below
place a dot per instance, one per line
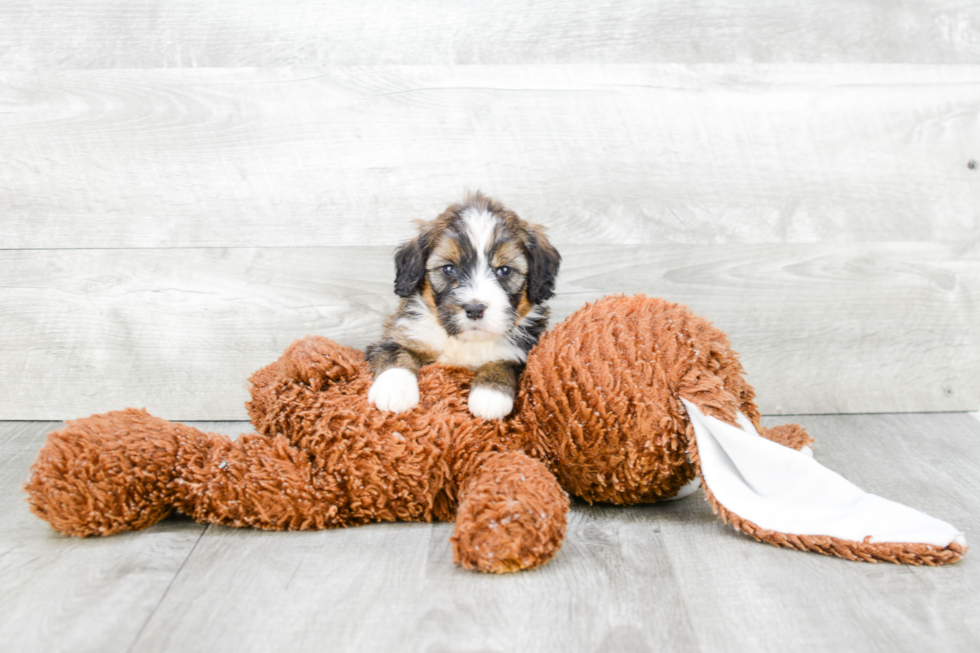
(489, 403)
(395, 390)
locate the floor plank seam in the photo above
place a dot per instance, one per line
(163, 596)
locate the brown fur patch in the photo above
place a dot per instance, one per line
(523, 307)
(428, 295)
(499, 375)
(446, 250)
(510, 253)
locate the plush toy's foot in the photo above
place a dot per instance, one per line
(106, 473)
(511, 516)
(793, 436)
(786, 498)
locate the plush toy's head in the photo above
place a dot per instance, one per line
(601, 393)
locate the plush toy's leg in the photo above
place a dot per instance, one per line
(107, 473)
(786, 498)
(127, 470)
(255, 481)
(511, 515)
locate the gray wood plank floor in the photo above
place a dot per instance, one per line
(652, 578)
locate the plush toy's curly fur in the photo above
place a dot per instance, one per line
(598, 413)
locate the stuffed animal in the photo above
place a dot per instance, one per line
(630, 400)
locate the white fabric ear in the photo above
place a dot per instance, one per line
(784, 490)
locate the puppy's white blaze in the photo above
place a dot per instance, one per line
(395, 390)
(480, 226)
(489, 403)
(482, 287)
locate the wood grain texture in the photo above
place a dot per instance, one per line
(601, 154)
(72, 595)
(148, 327)
(599, 597)
(333, 590)
(155, 34)
(823, 328)
(664, 577)
(392, 587)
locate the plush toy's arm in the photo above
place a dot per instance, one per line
(314, 378)
(511, 515)
(784, 497)
(320, 362)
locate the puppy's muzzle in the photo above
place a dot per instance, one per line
(474, 311)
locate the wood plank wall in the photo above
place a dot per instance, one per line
(186, 187)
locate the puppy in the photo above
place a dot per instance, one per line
(473, 285)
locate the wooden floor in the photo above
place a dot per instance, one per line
(667, 577)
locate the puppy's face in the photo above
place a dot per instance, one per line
(477, 273)
(479, 268)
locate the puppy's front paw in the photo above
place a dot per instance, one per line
(489, 403)
(395, 390)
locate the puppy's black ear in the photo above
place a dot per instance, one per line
(410, 265)
(543, 262)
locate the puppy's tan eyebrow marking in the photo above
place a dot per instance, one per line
(446, 251)
(509, 252)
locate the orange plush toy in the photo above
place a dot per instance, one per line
(629, 400)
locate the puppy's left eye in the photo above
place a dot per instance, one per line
(503, 271)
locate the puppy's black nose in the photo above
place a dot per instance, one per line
(474, 311)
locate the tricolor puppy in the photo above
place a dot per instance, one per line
(473, 286)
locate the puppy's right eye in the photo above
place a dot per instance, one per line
(449, 270)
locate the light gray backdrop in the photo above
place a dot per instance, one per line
(186, 187)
